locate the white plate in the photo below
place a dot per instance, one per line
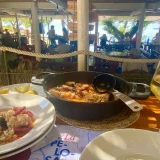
(124, 144)
(30, 144)
(43, 110)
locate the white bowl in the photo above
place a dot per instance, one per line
(124, 144)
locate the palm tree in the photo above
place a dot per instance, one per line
(119, 28)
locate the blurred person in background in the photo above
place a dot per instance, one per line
(24, 44)
(61, 49)
(103, 41)
(7, 34)
(1, 31)
(26, 47)
(52, 36)
(65, 35)
(155, 39)
(134, 40)
(127, 37)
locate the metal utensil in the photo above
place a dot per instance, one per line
(104, 83)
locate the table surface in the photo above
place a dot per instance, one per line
(149, 117)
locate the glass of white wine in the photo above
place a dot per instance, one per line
(155, 83)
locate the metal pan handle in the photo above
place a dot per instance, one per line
(139, 95)
(131, 103)
(36, 81)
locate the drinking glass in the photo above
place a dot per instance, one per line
(155, 83)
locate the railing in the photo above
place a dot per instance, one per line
(7, 79)
(156, 54)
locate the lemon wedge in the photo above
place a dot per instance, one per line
(32, 92)
(4, 91)
(22, 89)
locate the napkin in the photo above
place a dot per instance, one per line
(63, 143)
(50, 137)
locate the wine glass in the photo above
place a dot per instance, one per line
(155, 83)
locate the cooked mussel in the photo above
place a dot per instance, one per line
(3, 123)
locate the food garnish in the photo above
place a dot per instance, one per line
(22, 89)
(4, 91)
(32, 92)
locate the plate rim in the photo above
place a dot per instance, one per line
(108, 132)
(35, 136)
(21, 149)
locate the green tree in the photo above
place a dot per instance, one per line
(146, 23)
(46, 21)
(12, 22)
(119, 27)
(110, 27)
(10, 28)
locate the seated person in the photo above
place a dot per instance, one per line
(25, 65)
(134, 40)
(24, 44)
(7, 34)
(126, 38)
(134, 67)
(62, 48)
(25, 47)
(155, 39)
(44, 48)
(134, 52)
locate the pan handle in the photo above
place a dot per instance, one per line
(36, 81)
(139, 95)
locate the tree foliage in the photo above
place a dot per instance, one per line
(10, 28)
(46, 21)
(112, 29)
(11, 22)
(118, 28)
(146, 23)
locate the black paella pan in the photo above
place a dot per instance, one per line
(84, 110)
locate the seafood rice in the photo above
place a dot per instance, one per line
(15, 123)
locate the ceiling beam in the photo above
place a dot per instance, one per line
(25, 5)
(114, 13)
(61, 3)
(48, 12)
(124, 1)
(125, 6)
(123, 13)
(22, 0)
(118, 6)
